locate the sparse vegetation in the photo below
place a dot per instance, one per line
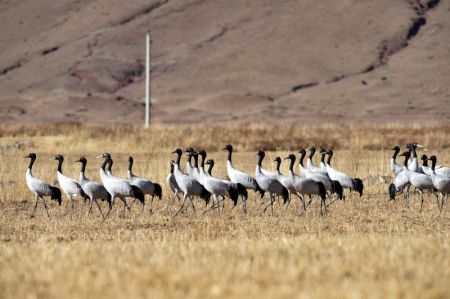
(365, 247)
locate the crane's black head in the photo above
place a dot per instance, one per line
(290, 157)
(396, 148)
(189, 150)
(31, 156)
(105, 156)
(58, 158)
(210, 161)
(424, 158)
(202, 153)
(312, 148)
(330, 152)
(277, 159)
(261, 154)
(228, 147)
(130, 159)
(322, 151)
(302, 151)
(433, 159)
(178, 151)
(82, 160)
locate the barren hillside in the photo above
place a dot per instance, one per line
(220, 60)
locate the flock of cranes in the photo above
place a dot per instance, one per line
(434, 179)
(321, 181)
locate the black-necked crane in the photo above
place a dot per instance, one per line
(93, 190)
(240, 177)
(145, 185)
(40, 188)
(69, 186)
(269, 184)
(188, 185)
(441, 183)
(346, 181)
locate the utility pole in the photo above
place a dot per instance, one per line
(148, 91)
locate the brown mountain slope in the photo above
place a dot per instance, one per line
(221, 60)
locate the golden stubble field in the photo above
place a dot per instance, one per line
(366, 247)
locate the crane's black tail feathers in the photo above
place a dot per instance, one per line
(83, 194)
(242, 191)
(285, 195)
(55, 194)
(392, 191)
(158, 191)
(322, 190)
(258, 189)
(233, 193)
(138, 194)
(205, 195)
(337, 188)
(358, 186)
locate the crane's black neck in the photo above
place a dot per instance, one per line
(171, 168)
(32, 159)
(396, 151)
(203, 160)
(211, 165)
(110, 164)
(433, 165)
(230, 152)
(190, 159)
(60, 162)
(177, 161)
(130, 165)
(413, 152)
(312, 151)
(278, 163)
(406, 161)
(105, 161)
(330, 155)
(291, 164)
(196, 161)
(322, 157)
(302, 157)
(260, 159)
(83, 165)
(425, 161)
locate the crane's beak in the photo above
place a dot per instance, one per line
(98, 157)
(418, 145)
(52, 158)
(174, 152)
(77, 160)
(287, 158)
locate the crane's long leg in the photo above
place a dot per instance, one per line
(151, 203)
(438, 203)
(126, 206)
(45, 206)
(302, 200)
(99, 208)
(35, 206)
(192, 203)
(90, 207)
(182, 205)
(82, 207)
(288, 202)
(133, 203)
(71, 205)
(270, 204)
(421, 200)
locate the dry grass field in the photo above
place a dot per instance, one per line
(363, 248)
